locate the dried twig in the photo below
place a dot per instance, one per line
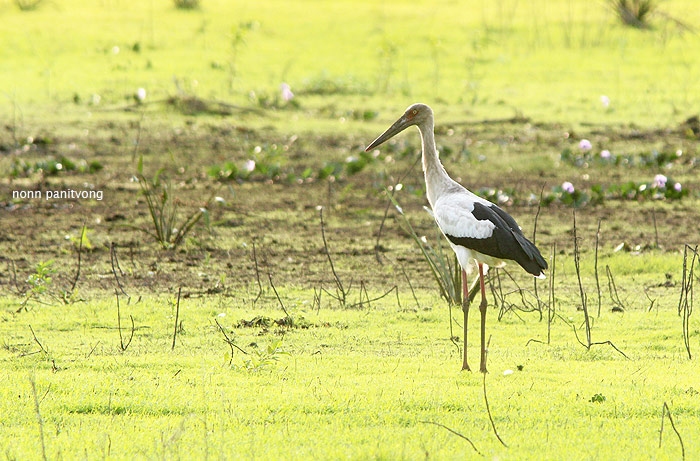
(269, 276)
(341, 291)
(613, 289)
(500, 296)
(115, 265)
(317, 299)
(83, 233)
(497, 292)
(123, 345)
(651, 301)
(177, 317)
(685, 303)
(534, 240)
(394, 289)
(36, 340)
(411, 287)
(92, 350)
(257, 274)
(454, 432)
(486, 401)
(363, 289)
(377, 246)
(229, 341)
(665, 411)
(611, 344)
(595, 266)
(19, 291)
(584, 303)
(656, 229)
(39, 419)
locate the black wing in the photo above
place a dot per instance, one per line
(506, 241)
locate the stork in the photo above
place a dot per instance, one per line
(475, 228)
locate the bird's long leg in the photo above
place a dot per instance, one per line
(465, 309)
(482, 309)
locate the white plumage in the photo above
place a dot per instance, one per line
(476, 229)
(454, 216)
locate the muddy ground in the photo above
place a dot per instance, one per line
(268, 226)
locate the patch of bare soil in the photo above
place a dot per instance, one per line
(269, 229)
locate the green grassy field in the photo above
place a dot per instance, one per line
(357, 384)
(269, 362)
(550, 60)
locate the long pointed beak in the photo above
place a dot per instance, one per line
(398, 126)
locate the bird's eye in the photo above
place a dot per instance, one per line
(415, 111)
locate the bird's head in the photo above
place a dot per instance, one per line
(417, 114)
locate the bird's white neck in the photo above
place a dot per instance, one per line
(437, 181)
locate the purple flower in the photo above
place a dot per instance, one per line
(677, 187)
(605, 101)
(605, 154)
(286, 90)
(567, 187)
(249, 166)
(659, 181)
(585, 145)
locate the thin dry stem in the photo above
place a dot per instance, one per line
(40, 420)
(488, 408)
(177, 317)
(595, 266)
(453, 432)
(665, 411)
(229, 341)
(124, 346)
(342, 292)
(685, 303)
(612, 287)
(534, 241)
(36, 340)
(584, 303)
(257, 275)
(377, 246)
(80, 251)
(115, 265)
(269, 276)
(410, 286)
